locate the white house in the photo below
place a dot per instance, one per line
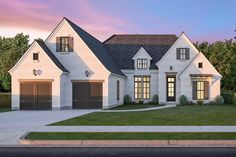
(72, 69)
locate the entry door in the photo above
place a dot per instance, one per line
(87, 95)
(35, 95)
(170, 88)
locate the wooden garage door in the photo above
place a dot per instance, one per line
(35, 95)
(87, 95)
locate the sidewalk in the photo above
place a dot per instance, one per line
(134, 129)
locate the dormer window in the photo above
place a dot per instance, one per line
(141, 63)
(182, 53)
(64, 44)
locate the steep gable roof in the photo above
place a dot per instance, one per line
(97, 48)
(51, 56)
(123, 47)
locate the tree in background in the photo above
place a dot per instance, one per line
(11, 49)
(222, 54)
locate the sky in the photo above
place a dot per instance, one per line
(201, 20)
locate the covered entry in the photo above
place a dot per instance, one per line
(87, 95)
(35, 95)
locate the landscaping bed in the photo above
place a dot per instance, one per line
(130, 136)
(221, 115)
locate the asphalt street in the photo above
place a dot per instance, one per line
(115, 152)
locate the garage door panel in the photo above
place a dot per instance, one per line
(87, 95)
(36, 95)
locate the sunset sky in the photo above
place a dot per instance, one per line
(202, 20)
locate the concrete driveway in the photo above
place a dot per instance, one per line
(16, 123)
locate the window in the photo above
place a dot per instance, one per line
(170, 85)
(182, 53)
(142, 63)
(200, 90)
(200, 65)
(35, 56)
(142, 87)
(64, 44)
(118, 89)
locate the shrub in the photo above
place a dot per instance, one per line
(140, 101)
(230, 98)
(127, 99)
(199, 102)
(5, 100)
(219, 100)
(210, 103)
(191, 103)
(183, 100)
(155, 99)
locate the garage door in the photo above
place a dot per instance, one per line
(35, 95)
(87, 95)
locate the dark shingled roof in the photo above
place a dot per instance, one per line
(123, 48)
(51, 55)
(97, 48)
(142, 39)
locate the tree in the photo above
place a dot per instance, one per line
(11, 49)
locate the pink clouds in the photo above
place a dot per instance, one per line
(44, 16)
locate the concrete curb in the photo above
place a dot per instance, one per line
(130, 143)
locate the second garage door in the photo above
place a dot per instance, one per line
(87, 95)
(35, 95)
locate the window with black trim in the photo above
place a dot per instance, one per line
(142, 87)
(141, 63)
(35, 56)
(64, 44)
(200, 90)
(200, 65)
(118, 89)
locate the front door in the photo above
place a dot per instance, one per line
(170, 88)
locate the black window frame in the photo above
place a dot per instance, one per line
(182, 54)
(142, 63)
(64, 47)
(118, 90)
(201, 91)
(200, 65)
(142, 87)
(35, 56)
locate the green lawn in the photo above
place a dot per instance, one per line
(130, 136)
(181, 115)
(134, 106)
(4, 109)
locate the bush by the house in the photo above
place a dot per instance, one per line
(183, 100)
(210, 103)
(155, 99)
(219, 100)
(200, 102)
(140, 102)
(5, 100)
(127, 99)
(229, 98)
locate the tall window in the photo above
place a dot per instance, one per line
(64, 44)
(142, 87)
(142, 63)
(182, 53)
(118, 89)
(200, 90)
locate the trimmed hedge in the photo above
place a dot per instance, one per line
(5, 100)
(230, 98)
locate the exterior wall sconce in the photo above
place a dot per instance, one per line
(171, 68)
(37, 72)
(87, 73)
